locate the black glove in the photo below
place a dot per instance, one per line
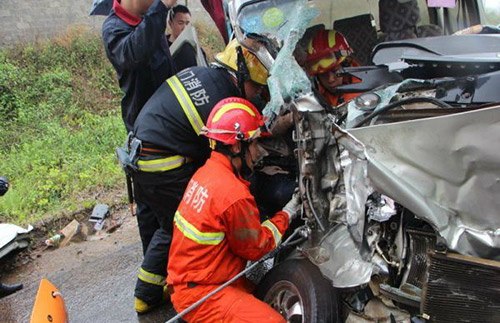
(4, 186)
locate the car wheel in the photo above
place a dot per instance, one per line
(297, 290)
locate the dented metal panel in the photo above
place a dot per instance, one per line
(445, 170)
(339, 259)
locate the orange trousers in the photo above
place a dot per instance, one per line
(233, 304)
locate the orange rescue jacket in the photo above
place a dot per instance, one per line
(217, 227)
(337, 99)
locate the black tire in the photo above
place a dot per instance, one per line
(297, 290)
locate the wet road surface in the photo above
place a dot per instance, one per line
(96, 279)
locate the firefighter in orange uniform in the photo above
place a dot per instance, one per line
(327, 54)
(217, 225)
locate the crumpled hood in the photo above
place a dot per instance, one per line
(446, 171)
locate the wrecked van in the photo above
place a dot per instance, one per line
(399, 186)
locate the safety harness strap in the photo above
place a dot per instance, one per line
(274, 230)
(151, 278)
(186, 104)
(190, 232)
(161, 164)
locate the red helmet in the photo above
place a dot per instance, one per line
(325, 51)
(233, 119)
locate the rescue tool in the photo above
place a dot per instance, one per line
(300, 230)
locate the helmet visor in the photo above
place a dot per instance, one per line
(327, 62)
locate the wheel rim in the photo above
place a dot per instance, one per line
(285, 298)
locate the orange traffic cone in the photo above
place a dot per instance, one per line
(49, 305)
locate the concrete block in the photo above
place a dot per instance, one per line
(69, 232)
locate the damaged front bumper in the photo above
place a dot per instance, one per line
(444, 170)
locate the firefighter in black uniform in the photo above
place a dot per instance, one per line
(167, 149)
(136, 44)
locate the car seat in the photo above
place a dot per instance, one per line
(362, 38)
(398, 20)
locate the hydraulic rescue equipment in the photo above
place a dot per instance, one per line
(302, 231)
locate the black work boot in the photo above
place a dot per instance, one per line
(7, 289)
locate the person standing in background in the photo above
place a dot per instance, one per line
(180, 18)
(135, 43)
(185, 56)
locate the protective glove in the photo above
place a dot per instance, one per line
(292, 207)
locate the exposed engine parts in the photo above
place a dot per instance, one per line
(359, 235)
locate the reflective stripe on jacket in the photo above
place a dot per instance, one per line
(174, 115)
(217, 227)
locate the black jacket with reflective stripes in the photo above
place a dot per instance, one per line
(140, 56)
(164, 123)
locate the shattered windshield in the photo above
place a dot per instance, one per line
(269, 19)
(283, 22)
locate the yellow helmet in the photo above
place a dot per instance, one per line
(229, 58)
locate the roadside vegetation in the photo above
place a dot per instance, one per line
(210, 39)
(59, 120)
(59, 123)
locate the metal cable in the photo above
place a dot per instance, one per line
(311, 206)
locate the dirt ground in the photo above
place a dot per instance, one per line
(96, 277)
(42, 261)
(38, 258)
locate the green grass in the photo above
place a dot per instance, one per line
(60, 121)
(210, 39)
